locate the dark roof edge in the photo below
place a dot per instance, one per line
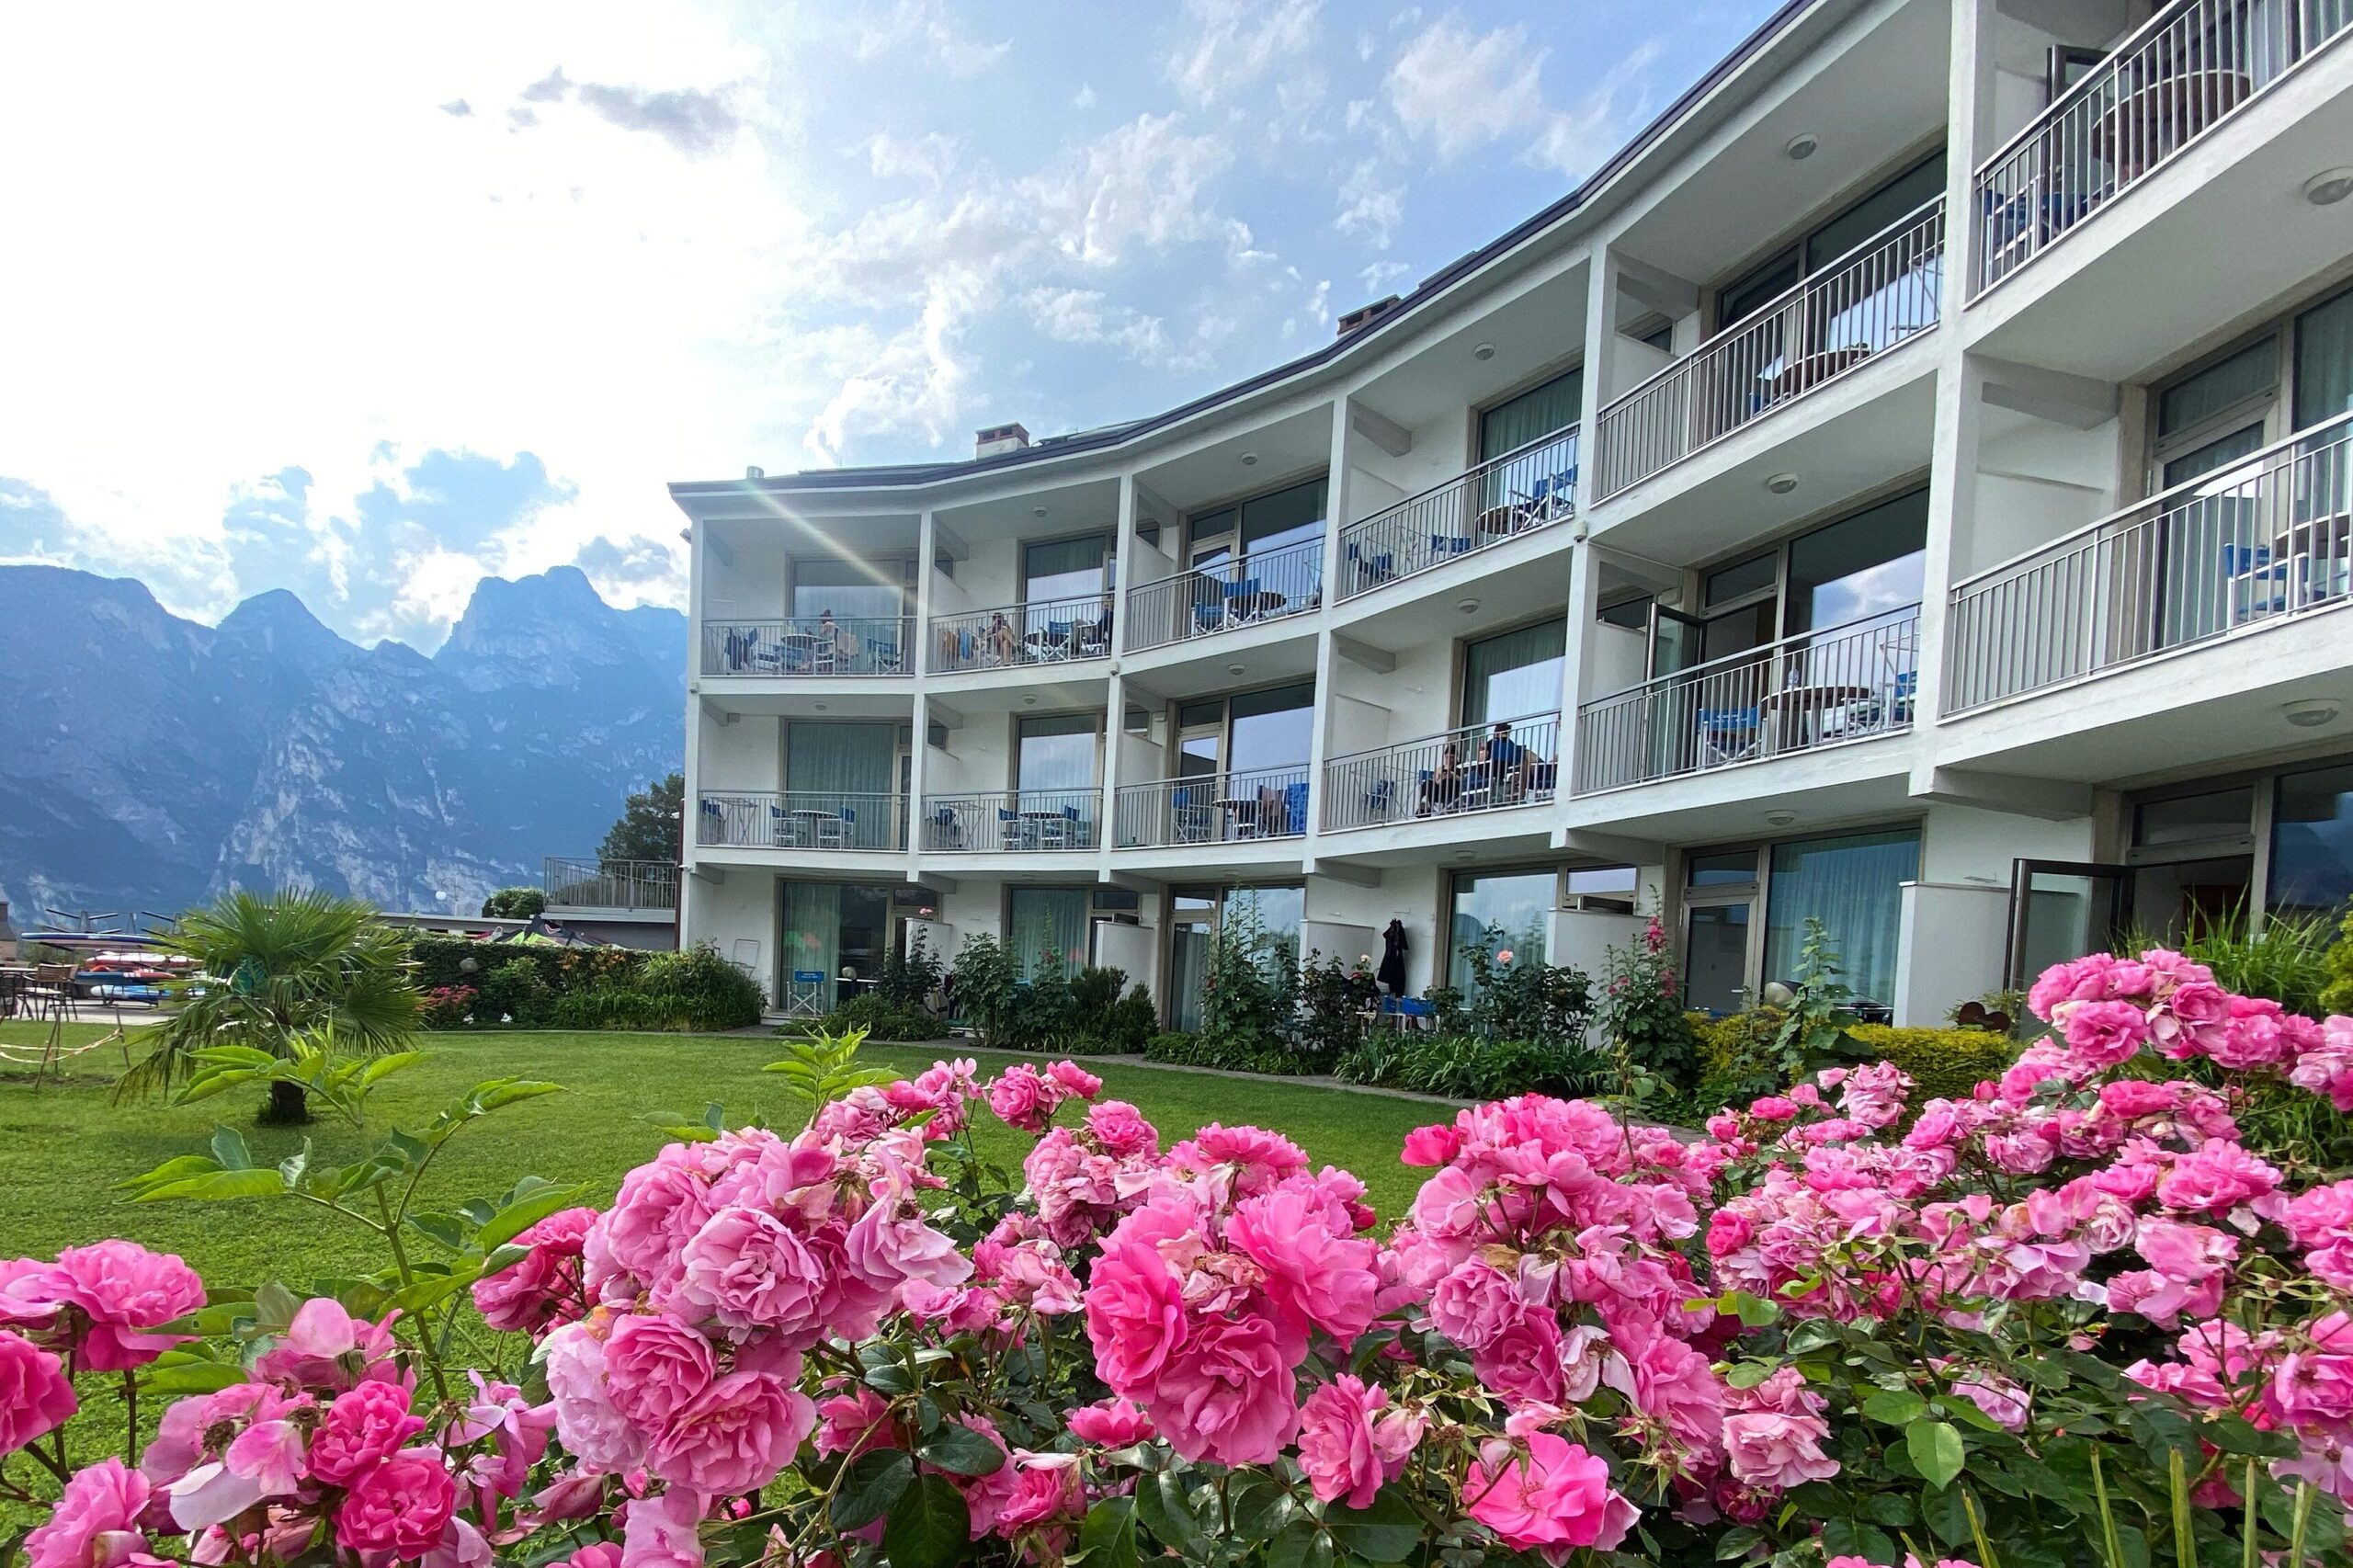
(1428, 288)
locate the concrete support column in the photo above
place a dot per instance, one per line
(919, 740)
(1335, 511)
(690, 813)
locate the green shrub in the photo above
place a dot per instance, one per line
(612, 1008)
(1118, 1027)
(1739, 1060)
(1333, 999)
(701, 988)
(1460, 1067)
(1945, 1064)
(2293, 962)
(514, 903)
(987, 988)
(514, 992)
(443, 961)
(882, 1018)
(1640, 1009)
(1234, 1055)
(2336, 992)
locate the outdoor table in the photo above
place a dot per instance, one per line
(801, 826)
(1044, 830)
(1242, 815)
(1801, 707)
(1810, 370)
(1245, 607)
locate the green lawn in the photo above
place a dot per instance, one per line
(62, 1148)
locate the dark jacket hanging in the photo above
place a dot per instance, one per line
(1391, 974)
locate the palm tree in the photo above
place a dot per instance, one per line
(281, 967)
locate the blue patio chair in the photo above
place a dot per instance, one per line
(1209, 616)
(1295, 806)
(947, 829)
(2254, 583)
(1373, 569)
(1012, 828)
(1445, 547)
(1190, 811)
(1379, 798)
(1728, 734)
(1242, 599)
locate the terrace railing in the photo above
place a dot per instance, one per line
(1883, 291)
(2190, 67)
(2266, 539)
(808, 645)
(801, 818)
(1522, 490)
(1818, 688)
(608, 884)
(1017, 821)
(1217, 808)
(1444, 775)
(1264, 585)
(1049, 632)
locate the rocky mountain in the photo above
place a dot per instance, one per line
(149, 762)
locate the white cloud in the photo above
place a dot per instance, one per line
(928, 157)
(1372, 204)
(926, 27)
(1235, 43)
(1461, 92)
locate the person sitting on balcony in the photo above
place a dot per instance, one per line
(1509, 767)
(1003, 644)
(846, 644)
(1443, 785)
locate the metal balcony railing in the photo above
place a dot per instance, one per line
(2188, 68)
(608, 884)
(1522, 490)
(1818, 688)
(2267, 538)
(1043, 631)
(1013, 820)
(1264, 585)
(801, 818)
(1216, 808)
(1468, 769)
(808, 645)
(1883, 291)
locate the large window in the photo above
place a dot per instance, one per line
(1047, 925)
(1258, 732)
(1517, 906)
(1534, 414)
(1057, 752)
(2295, 374)
(2312, 842)
(848, 590)
(1259, 526)
(1852, 883)
(1516, 675)
(1197, 915)
(835, 936)
(1065, 569)
(1823, 246)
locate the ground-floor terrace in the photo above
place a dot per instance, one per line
(1934, 891)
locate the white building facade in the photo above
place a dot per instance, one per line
(1909, 486)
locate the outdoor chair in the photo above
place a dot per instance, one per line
(1190, 814)
(1728, 734)
(1379, 798)
(947, 829)
(1372, 569)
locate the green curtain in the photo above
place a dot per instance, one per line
(2325, 361)
(1538, 411)
(1515, 675)
(813, 927)
(1854, 886)
(1049, 920)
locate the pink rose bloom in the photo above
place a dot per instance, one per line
(595, 1555)
(660, 1531)
(2313, 1386)
(326, 1348)
(1552, 1497)
(365, 1425)
(1121, 1130)
(2215, 1177)
(123, 1287)
(35, 1393)
(1771, 1450)
(747, 1269)
(1022, 1099)
(660, 1205)
(653, 1367)
(1135, 1315)
(400, 1507)
(1076, 1079)
(1112, 1424)
(1312, 1276)
(543, 1286)
(593, 1432)
(1474, 1304)
(734, 1435)
(1525, 1360)
(1046, 1492)
(95, 1522)
(2322, 1222)
(893, 1242)
(1351, 1443)
(2101, 1034)
(1432, 1145)
(1227, 1394)
(1774, 1107)
(854, 1421)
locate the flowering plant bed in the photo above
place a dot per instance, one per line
(2067, 1319)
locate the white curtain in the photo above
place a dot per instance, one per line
(813, 929)
(1853, 885)
(1049, 921)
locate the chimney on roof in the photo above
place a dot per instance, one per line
(751, 473)
(1365, 315)
(998, 439)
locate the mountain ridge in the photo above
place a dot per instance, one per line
(157, 761)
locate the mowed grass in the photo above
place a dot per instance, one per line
(63, 1148)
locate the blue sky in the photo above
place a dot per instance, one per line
(370, 305)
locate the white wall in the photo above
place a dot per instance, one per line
(734, 911)
(1953, 937)
(1408, 894)
(745, 755)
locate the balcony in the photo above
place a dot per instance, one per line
(1052, 632)
(2267, 540)
(1218, 808)
(1816, 690)
(1501, 498)
(1452, 774)
(801, 818)
(1013, 820)
(648, 887)
(2190, 67)
(1262, 587)
(1885, 290)
(807, 645)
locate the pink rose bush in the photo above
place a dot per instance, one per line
(1841, 1327)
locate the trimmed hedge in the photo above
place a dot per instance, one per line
(1945, 1064)
(1233, 1056)
(1460, 1067)
(523, 985)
